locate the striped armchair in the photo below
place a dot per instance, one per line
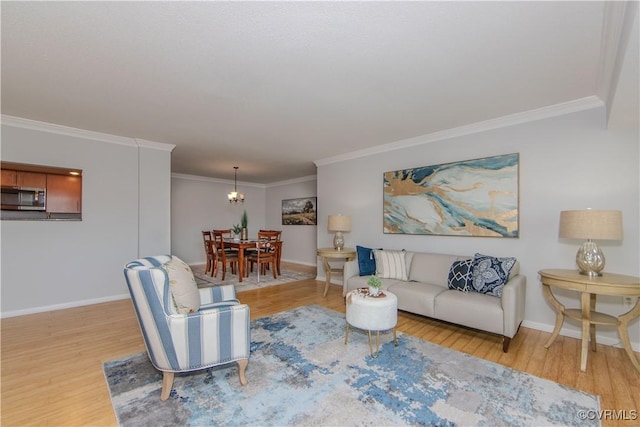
(216, 334)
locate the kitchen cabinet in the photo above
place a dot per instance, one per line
(64, 194)
(23, 179)
(9, 177)
(31, 179)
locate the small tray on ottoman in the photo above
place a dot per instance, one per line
(365, 293)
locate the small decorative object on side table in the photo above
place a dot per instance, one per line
(339, 223)
(327, 254)
(589, 287)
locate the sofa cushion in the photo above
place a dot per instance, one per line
(408, 260)
(432, 268)
(460, 275)
(184, 291)
(472, 309)
(390, 264)
(366, 261)
(490, 274)
(416, 297)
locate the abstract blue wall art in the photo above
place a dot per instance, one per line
(470, 198)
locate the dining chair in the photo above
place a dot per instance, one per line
(219, 236)
(275, 237)
(212, 251)
(214, 331)
(227, 257)
(263, 256)
(210, 265)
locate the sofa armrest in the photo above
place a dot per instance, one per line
(513, 304)
(351, 269)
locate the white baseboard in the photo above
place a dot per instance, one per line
(336, 281)
(54, 307)
(565, 332)
(293, 261)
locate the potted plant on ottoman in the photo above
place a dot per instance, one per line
(374, 285)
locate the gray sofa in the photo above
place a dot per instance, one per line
(426, 293)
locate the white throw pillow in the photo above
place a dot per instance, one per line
(186, 297)
(391, 264)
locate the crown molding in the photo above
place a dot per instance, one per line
(249, 184)
(610, 49)
(214, 180)
(574, 106)
(293, 181)
(65, 130)
(20, 122)
(154, 145)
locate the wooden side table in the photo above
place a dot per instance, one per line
(589, 287)
(331, 254)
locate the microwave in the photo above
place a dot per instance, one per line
(23, 198)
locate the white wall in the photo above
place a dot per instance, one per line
(49, 265)
(566, 162)
(199, 203)
(154, 199)
(299, 240)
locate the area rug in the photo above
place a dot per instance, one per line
(302, 373)
(251, 282)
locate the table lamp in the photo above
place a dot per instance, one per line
(339, 223)
(590, 225)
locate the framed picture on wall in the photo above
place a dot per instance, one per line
(476, 198)
(300, 211)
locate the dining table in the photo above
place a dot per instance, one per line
(241, 245)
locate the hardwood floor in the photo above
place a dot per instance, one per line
(52, 362)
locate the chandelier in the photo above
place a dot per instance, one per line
(234, 196)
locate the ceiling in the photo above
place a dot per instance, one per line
(271, 87)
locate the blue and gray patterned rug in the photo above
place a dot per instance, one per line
(301, 373)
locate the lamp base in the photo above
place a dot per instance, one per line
(338, 241)
(590, 259)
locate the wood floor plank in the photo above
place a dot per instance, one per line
(52, 362)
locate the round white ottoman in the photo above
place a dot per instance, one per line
(372, 314)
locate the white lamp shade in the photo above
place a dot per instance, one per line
(591, 224)
(339, 223)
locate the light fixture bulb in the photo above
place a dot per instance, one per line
(234, 196)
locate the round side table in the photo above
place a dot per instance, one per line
(331, 254)
(372, 314)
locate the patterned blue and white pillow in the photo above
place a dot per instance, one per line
(490, 274)
(460, 275)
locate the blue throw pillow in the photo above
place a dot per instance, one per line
(460, 275)
(366, 261)
(490, 274)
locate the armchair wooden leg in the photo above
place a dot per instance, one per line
(242, 365)
(167, 384)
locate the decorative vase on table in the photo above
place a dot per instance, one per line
(244, 223)
(236, 232)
